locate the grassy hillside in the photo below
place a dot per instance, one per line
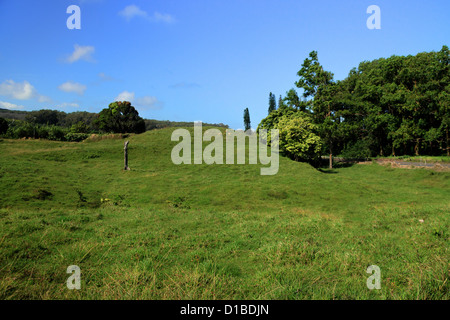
(162, 231)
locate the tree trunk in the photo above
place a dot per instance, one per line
(125, 150)
(331, 159)
(448, 146)
(416, 147)
(393, 150)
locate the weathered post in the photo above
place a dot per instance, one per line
(125, 150)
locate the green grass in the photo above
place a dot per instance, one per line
(162, 231)
(430, 159)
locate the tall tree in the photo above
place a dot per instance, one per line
(315, 80)
(281, 103)
(247, 124)
(272, 103)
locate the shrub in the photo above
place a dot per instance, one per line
(76, 137)
(56, 133)
(298, 137)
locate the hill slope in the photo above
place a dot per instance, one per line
(170, 231)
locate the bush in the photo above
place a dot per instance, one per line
(43, 132)
(24, 130)
(76, 137)
(56, 133)
(298, 138)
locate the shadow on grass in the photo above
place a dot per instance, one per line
(324, 165)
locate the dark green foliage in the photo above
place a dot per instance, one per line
(358, 150)
(281, 103)
(48, 117)
(79, 127)
(75, 137)
(389, 106)
(75, 122)
(120, 117)
(247, 124)
(151, 124)
(3, 126)
(272, 103)
(56, 133)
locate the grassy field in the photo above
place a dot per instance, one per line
(162, 231)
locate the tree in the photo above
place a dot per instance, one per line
(3, 126)
(272, 103)
(314, 80)
(120, 117)
(271, 121)
(247, 124)
(298, 137)
(281, 103)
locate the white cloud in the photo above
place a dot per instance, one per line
(65, 105)
(131, 11)
(148, 102)
(163, 17)
(21, 91)
(81, 53)
(16, 90)
(125, 96)
(71, 86)
(10, 106)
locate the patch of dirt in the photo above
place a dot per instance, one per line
(436, 166)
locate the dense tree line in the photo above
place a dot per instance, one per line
(390, 106)
(119, 117)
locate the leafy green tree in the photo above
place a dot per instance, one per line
(79, 127)
(120, 117)
(298, 137)
(247, 124)
(272, 103)
(315, 80)
(271, 121)
(281, 103)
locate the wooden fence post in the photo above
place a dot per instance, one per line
(125, 150)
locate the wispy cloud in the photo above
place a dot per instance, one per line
(10, 106)
(105, 77)
(162, 17)
(67, 105)
(81, 53)
(145, 102)
(185, 85)
(132, 11)
(21, 91)
(71, 86)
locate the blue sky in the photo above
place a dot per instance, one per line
(195, 60)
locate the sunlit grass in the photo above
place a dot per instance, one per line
(162, 231)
